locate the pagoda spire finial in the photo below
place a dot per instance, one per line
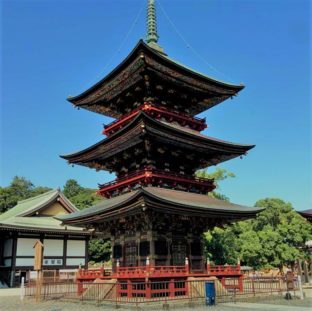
(152, 36)
(151, 23)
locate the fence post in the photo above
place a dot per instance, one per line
(117, 267)
(23, 288)
(148, 289)
(208, 266)
(306, 272)
(300, 286)
(253, 285)
(129, 289)
(240, 284)
(116, 293)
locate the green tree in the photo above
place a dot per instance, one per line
(218, 175)
(99, 250)
(86, 198)
(81, 197)
(282, 232)
(19, 189)
(276, 237)
(72, 188)
(220, 246)
(39, 190)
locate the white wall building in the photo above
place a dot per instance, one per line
(65, 247)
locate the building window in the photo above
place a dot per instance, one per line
(161, 247)
(144, 248)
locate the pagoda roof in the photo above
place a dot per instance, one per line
(23, 216)
(130, 135)
(162, 200)
(144, 58)
(306, 214)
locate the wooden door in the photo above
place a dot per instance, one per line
(178, 252)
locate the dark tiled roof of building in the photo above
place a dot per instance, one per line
(306, 214)
(89, 154)
(189, 201)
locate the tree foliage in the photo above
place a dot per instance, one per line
(99, 250)
(218, 175)
(81, 197)
(276, 237)
(19, 189)
(71, 188)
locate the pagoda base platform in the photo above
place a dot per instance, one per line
(147, 281)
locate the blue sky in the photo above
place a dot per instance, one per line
(52, 49)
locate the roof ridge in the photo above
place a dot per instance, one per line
(37, 196)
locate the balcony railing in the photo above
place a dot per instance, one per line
(156, 177)
(158, 112)
(157, 271)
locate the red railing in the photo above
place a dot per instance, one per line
(94, 273)
(145, 177)
(158, 112)
(223, 270)
(157, 271)
(151, 271)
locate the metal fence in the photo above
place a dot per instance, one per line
(119, 292)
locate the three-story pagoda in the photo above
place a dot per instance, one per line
(157, 209)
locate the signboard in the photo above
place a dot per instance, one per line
(53, 262)
(38, 255)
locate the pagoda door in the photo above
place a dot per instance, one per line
(130, 256)
(178, 252)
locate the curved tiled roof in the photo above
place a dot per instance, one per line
(216, 144)
(141, 44)
(20, 217)
(151, 195)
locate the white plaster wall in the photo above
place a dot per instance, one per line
(53, 247)
(25, 262)
(25, 247)
(8, 244)
(76, 248)
(75, 261)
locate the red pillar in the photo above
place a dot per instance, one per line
(148, 289)
(79, 287)
(171, 288)
(240, 283)
(129, 289)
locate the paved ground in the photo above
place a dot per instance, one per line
(13, 303)
(5, 292)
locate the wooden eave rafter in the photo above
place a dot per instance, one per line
(143, 198)
(157, 63)
(141, 125)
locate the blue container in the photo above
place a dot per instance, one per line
(210, 292)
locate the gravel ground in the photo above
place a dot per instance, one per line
(15, 304)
